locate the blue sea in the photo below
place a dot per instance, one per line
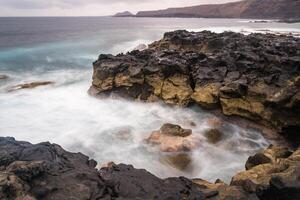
(62, 49)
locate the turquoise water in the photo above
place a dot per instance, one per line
(62, 50)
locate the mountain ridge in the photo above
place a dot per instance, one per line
(272, 9)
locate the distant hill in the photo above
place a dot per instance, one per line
(263, 9)
(124, 14)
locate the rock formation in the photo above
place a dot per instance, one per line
(124, 14)
(255, 76)
(30, 85)
(46, 171)
(173, 138)
(257, 9)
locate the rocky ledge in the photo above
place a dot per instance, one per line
(46, 171)
(254, 76)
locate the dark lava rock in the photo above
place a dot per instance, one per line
(45, 171)
(255, 76)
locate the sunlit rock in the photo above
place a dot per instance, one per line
(173, 138)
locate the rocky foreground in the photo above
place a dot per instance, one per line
(46, 171)
(254, 76)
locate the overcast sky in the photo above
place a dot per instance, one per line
(89, 7)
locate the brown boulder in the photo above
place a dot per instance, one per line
(181, 161)
(213, 135)
(173, 138)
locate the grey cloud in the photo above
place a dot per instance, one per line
(41, 4)
(46, 4)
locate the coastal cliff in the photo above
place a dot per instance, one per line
(46, 171)
(263, 9)
(254, 76)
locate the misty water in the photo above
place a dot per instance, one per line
(62, 50)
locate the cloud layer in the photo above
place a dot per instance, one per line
(89, 7)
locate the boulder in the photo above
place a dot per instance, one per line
(181, 161)
(213, 135)
(173, 138)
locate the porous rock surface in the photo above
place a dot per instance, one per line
(46, 171)
(255, 76)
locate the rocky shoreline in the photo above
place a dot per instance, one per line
(254, 76)
(46, 171)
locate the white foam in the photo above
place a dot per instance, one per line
(65, 114)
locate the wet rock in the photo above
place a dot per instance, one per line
(224, 191)
(125, 133)
(175, 130)
(213, 135)
(255, 76)
(214, 122)
(3, 77)
(270, 155)
(30, 85)
(46, 171)
(273, 164)
(180, 161)
(173, 138)
(125, 182)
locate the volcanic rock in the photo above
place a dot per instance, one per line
(46, 171)
(272, 170)
(213, 135)
(30, 85)
(173, 138)
(255, 76)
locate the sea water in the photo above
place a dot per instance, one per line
(62, 50)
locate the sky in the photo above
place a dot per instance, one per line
(89, 7)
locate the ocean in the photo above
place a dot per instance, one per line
(62, 49)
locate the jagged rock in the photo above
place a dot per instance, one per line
(125, 182)
(224, 191)
(173, 138)
(30, 85)
(275, 169)
(46, 171)
(255, 76)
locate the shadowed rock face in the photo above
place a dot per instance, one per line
(46, 171)
(255, 76)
